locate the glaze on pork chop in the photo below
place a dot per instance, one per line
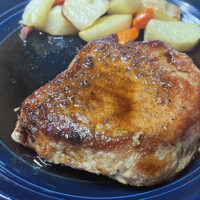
(131, 112)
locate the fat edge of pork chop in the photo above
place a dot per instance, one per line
(130, 112)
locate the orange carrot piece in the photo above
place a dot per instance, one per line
(142, 19)
(58, 2)
(24, 32)
(126, 35)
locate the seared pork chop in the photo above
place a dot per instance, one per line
(131, 112)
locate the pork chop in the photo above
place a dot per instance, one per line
(130, 112)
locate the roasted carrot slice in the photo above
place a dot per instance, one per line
(24, 32)
(142, 19)
(126, 35)
(58, 2)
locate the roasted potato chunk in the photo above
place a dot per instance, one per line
(82, 14)
(105, 26)
(181, 36)
(57, 24)
(36, 13)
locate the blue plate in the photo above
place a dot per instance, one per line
(24, 68)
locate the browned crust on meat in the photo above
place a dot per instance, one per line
(117, 98)
(127, 167)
